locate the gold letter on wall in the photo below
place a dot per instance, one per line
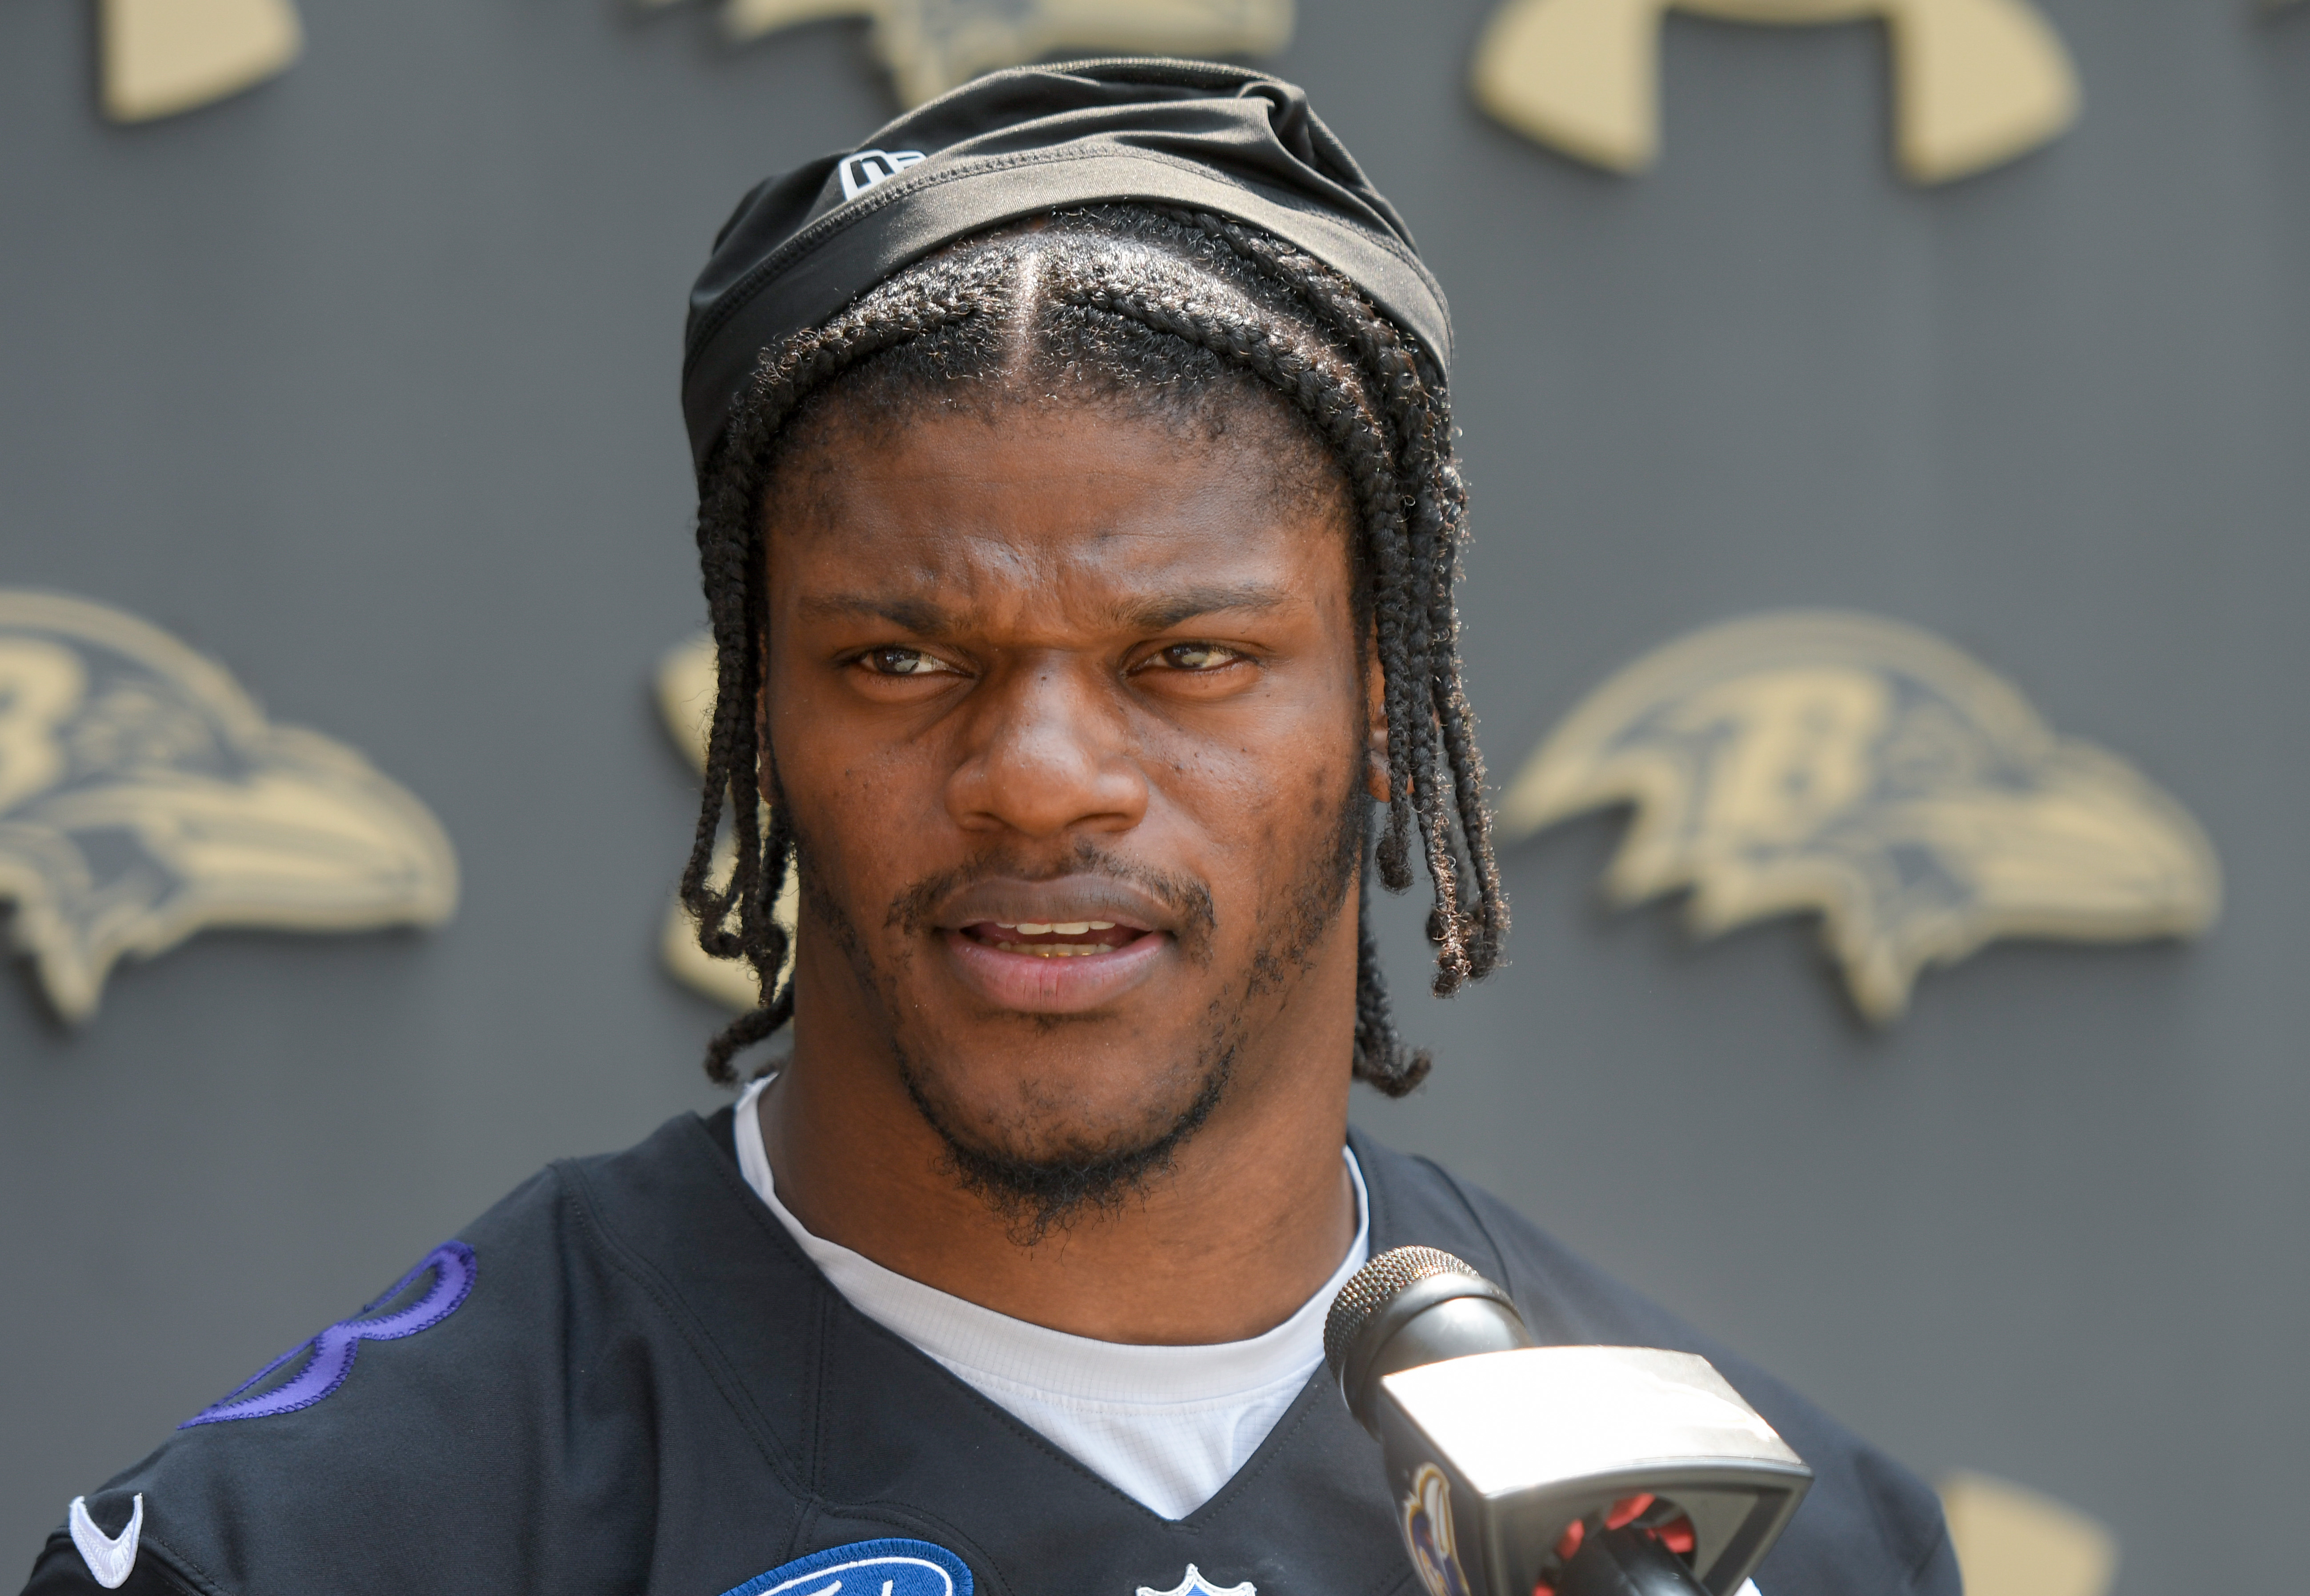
(930, 46)
(1977, 81)
(162, 56)
(1868, 771)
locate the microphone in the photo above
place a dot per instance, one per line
(1525, 1471)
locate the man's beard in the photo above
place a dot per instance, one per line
(1054, 1188)
(1035, 1194)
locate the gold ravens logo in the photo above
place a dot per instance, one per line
(1425, 1517)
(685, 697)
(1869, 771)
(931, 45)
(144, 797)
(1977, 81)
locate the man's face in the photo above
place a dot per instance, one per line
(1069, 714)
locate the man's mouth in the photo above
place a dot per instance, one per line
(1062, 945)
(1072, 939)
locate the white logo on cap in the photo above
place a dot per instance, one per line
(862, 171)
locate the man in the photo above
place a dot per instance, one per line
(1079, 519)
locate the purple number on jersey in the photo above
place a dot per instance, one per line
(329, 1356)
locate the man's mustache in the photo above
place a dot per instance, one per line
(1187, 899)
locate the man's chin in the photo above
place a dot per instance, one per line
(1055, 1182)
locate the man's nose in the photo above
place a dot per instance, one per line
(1047, 753)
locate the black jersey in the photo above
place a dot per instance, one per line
(625, 1378)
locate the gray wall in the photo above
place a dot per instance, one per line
(364, 382)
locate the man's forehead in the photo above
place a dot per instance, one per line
(1082, 520)
(1024, 545)
(1020, 452)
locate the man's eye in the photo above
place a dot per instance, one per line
(903, 662)
(1197, 657)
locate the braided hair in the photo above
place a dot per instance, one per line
(1161, 307)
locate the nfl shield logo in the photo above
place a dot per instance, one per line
(1195, 1585)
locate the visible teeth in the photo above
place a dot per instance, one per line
(1066, 928)
(1056, 949)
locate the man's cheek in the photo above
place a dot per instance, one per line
(839, 891)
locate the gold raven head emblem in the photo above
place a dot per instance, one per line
(932, 46)
(144, 797)
(1870, 771)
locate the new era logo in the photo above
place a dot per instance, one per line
(862, 171)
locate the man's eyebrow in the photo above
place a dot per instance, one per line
(1157, 613)
(1166, 611)
(918, 616)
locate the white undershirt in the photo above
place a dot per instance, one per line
(1166, 1425)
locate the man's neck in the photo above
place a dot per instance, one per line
(1252, 1216)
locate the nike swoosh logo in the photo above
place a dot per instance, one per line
(108, 1558)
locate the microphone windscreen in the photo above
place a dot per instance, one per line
(1375, 1285)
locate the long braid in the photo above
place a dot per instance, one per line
(1376, 400)
(731, 557)
(1337, 412)
(1381, 1058)
(1378, 350)
(1418, 410)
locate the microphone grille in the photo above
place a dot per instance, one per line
(1371, 1288)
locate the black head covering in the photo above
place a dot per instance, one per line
(1193, 133)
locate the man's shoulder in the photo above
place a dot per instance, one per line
(1566, 1299)
(1867, 1524)
(507, 1395)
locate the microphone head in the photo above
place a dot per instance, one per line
(1410, 1306)
(1496, 1449)
(1371, 1288)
